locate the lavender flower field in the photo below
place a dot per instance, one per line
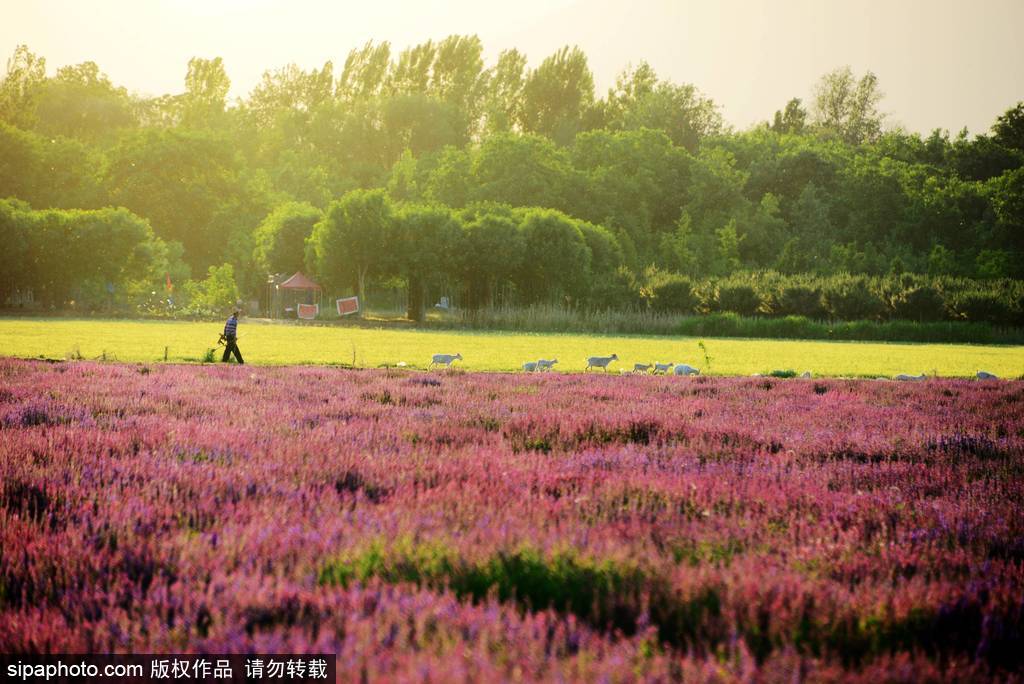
(453, 526)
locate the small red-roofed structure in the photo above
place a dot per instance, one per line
(299, 293)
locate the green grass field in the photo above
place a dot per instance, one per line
(264, 343)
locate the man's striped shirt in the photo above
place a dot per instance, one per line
(231, 327)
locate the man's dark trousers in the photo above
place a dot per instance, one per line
(231, 345)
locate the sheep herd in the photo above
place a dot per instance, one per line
(643, 368)
(670, 368)
(601, 362)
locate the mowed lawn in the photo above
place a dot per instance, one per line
(264, 343)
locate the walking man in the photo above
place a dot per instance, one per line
(230, 338)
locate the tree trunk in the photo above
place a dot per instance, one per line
(361, 291)
(417, 306)
(479, 293)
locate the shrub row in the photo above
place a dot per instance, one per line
(841, 297)
(561, 319)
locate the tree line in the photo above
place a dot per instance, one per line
(65, 254)
(403, 167)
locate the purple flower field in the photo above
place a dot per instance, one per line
(480, 527)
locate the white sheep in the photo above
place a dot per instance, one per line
(904, 376)
(684, 369)
(445, 359)
(600, 362)
(985, 375)
(530, 366)
(663, 367)
(546, 364)
(642, 367)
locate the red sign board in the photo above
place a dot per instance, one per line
(348, 305)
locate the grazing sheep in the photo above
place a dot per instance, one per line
(985, 375)
(445, 359)
(546, 364)
(684, 369)
(642, 367)
(904, 376)
(600, 362)
(530, 366)
(663, 367)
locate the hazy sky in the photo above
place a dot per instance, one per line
(940, 63)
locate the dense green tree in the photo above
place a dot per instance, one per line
(795, 257)
(634, 180)
(26, 73)
(281, 237)
(81, 102)
(451, 181)
(792, 119)
(117, 246)
(640, 100)
(302, 176)
(762, 234)
(349, 245)
(872, 201)
(994, 263)
(353, 143)
(20, 164)
(365, 73)
(606, 258)
(677, 251)
(420, 123)
(490, 250)
(290, 91)
(1008, 129)
(54, 252)
(557, 96)
(727, 257)
(53, 271)
(786, 171)
(1007, 197)
(715, 199)
(407, 179)
(192, 188)
(522, 171)
(503, 98)
(812, 232)
(206, 91)
(848, 107)
(941, 261)
(15, 257)
(981, 158)
(49, 172)
(558, 262)
(422, 239)
(458, 78)
(411, 72)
